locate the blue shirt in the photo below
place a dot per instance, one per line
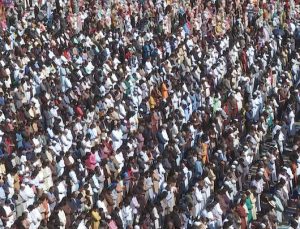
(198, 168)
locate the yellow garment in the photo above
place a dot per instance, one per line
(96, 219)
(152, 102)
(219, 29)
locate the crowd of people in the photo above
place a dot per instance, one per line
(149, 114)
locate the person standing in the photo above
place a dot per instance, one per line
(95, 216)
(240, 210)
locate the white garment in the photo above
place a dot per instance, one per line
(62, 191)
(35, 218)
(62, 219)
(117, 136)
(28, 195)
(11, 218)
(101, 204)
(127, 214)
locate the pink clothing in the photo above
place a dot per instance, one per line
(90, 162)
(112, 225)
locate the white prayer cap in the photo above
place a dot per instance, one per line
(164, 185)
(235, 163)
(233, 167)
(197, 223)
(261, 169)
(262, 225)
(272, 203)
(219, 151)
(260, 173)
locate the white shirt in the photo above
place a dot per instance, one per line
(11, 218)
(148, 67)
(101, 204)
(165, 135)
(117, 136)
(62, 219)
(127, 213)
(35, 218)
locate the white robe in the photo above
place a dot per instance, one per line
(62, 219)
(35, 218)
(11, 218)
(48, 182)
(117, 136)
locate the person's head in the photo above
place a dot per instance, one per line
(242, 201)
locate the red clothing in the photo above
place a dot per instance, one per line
(242, 214)
(67, 55)
(8, 145)
(244, 60)
(79, 111)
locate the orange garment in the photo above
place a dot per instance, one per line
(266, 14)
(267, 174)
(164, 91)
(205, 158)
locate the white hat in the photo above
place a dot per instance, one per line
(164, 185)
(272, 203)
(262, 225)
(197, 223)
